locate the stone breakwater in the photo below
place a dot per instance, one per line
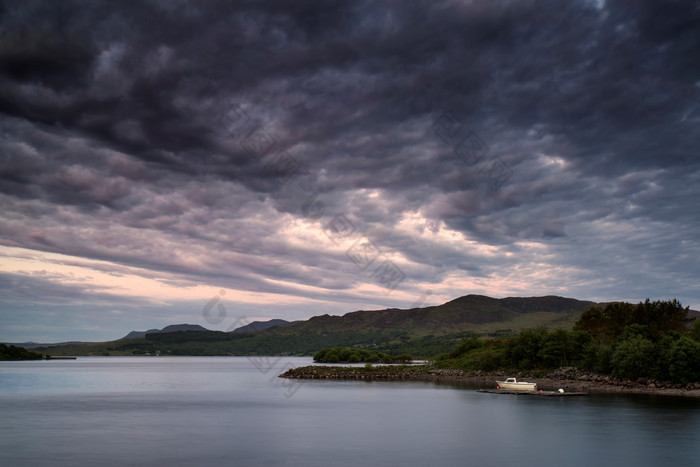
(569, 379)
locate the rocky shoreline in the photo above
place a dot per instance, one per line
(569, 379)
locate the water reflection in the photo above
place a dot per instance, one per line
(222, 410)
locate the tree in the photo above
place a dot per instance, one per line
(17, 353)
(661, 317)
(554, 349)
(605, 324)
(488, 360)
(695, 331)
(331, 356)
(683, 360)
(634, 358)
(522, 351)
(593, 321)
(578, 340)
(465, 346)
(634, 330)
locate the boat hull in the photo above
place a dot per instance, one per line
(521, 386)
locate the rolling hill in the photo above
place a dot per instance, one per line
(421, 331)
(476, 313)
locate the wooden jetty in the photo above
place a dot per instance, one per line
(533, 393)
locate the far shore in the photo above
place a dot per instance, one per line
(568, 379)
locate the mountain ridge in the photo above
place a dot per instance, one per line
(166, 329)
(469, 309)
(421, 331)
(262, 325)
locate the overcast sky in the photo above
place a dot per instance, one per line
(217, 163)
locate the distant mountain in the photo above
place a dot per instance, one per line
(170, 328)
(139, 334)
(418, 331)
(477, 313)
(261, 325)
(183, 327)
(33, 345)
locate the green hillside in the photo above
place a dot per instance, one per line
(418, 331)
(475, 313)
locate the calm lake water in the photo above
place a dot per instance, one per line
(203, 411)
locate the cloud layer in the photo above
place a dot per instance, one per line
(336, 156)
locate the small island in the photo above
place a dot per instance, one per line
(18, 353)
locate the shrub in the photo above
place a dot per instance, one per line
(465, 346)
(633, 358)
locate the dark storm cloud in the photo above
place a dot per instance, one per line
(189, 137)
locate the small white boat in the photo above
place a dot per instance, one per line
(513, 384)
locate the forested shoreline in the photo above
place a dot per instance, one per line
(649, 340)
(655, 341)
(18, 353)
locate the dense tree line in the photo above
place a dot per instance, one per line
(659, 317)
(348, 355)
(281, 342)
(647, 340)
(18, 353)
